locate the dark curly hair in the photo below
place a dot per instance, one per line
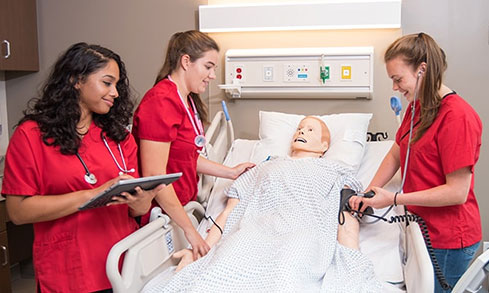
(57, 111)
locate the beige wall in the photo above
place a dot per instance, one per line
(244, 112)
(137, 30)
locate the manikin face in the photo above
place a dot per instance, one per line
(98, 90)
(309, 138)
(403, 77)
(201, 71)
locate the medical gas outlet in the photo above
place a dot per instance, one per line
(330, 72)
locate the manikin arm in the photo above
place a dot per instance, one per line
(213, 236)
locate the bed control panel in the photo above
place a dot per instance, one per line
(169, 242)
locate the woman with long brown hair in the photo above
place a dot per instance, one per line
(168, 127)
(444, 148)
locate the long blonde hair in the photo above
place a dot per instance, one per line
(415, 49)
(194, 44)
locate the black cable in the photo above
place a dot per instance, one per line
(424, 230)
(212, 220)
(426, 236)
(345, 196)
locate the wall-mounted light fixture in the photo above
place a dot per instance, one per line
(334, 14)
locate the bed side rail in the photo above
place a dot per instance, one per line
(147, 251)
(219, 138)
(418, 271)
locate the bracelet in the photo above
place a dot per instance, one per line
(395, 198)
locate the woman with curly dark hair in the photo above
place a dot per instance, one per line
(71, 144)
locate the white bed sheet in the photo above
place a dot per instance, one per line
(385, 254)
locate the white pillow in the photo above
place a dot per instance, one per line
(348, 136)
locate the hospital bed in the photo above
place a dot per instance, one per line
(397, 251)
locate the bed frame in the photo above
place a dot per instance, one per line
(148, 251)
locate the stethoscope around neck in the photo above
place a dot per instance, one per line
(199, 140)
(90, 177)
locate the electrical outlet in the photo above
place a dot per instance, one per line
(485, 246)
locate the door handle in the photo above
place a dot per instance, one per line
(5, 255)
(7, 43)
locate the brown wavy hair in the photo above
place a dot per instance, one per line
(194, 44)
(415, 49)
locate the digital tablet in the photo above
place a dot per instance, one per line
(146, 183)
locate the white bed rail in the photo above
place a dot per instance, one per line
(219, 138)
(147, 251)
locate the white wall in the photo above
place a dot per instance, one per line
(4, 133)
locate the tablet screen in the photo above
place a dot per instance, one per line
(146, 183)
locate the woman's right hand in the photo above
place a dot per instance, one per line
(383, 198)
(199, 246)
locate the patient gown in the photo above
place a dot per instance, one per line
(281, 237)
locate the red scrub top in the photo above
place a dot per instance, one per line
(452, 142)
(161, 117)
(69, 253)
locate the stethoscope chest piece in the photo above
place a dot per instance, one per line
(90, 178)
(199, 141)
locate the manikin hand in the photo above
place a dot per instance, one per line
(185, 256)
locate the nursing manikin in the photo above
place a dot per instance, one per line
(279, 230)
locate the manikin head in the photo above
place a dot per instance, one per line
(311, 138)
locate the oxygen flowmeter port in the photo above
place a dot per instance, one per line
(324, 73)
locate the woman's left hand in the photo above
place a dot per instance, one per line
(139, 202)
(239, 169)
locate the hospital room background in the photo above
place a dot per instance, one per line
(140, 30)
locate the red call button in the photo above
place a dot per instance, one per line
(238, 70)
(238, 76)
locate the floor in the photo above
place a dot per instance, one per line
(22, 276)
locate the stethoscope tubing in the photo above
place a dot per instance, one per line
(90, 177)
(196, 122)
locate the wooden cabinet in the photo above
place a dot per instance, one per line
(18, 35)
(5, 286)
